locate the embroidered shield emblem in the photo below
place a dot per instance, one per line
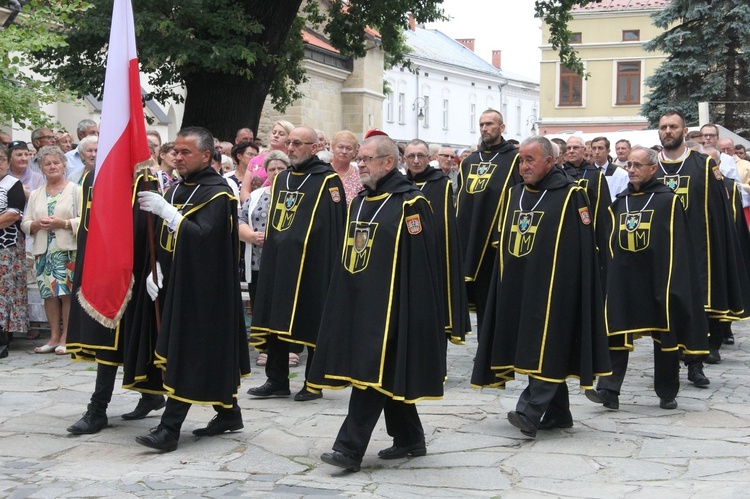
(290, 200)
(335, 194)
(414, 224)
(632, 221)
(479, 176)
(524, 222)
(361, 236)
(285, 208)
(585, 215)
(359, 240)
(523, 232)
(680, 184)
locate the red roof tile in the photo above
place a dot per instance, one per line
(605, 5)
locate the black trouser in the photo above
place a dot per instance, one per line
(401, 422)
(478, 290)
(542, 397)
(277, 365)
(719, 330)
(176, 411)
(666, 372)
(105, 385)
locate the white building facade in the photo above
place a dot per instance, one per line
(441, 98)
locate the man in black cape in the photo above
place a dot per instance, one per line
(88, 340)
(652, 283)
(438, 189)
(202, 343)
(486, 174)
(304, 233)
(698, 182)
(545, 314)
(383, 324)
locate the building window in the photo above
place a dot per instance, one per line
(389, 107)
(445, 114)
(571, 88)
(575, 38)
(426, 111)
(401, 108)
(631, 35)
(628, 83)
(473, 117)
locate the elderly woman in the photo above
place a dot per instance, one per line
(52, 217)
(13, 300)
(344, 148)
(255, 176)
(252, 228)
(64, 141)
(87, 149)
(19, 167)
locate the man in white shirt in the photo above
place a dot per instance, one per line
(74, 162)
(617, 178)
(622, 151)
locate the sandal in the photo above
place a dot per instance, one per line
(262, 359)
(45, 349)
(61, 350)
(293, 359)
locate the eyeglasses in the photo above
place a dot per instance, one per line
(47, 137)
(297, 143)
(573, 148)
(368, 159)
(412, 157)
(636, 164)
(446, 156)
(709, 135)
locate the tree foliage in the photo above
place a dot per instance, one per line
(228, 54)
(708, 47)
(556, 14)
(21, 92)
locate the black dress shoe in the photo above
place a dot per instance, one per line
(395, 452)
(523, 423)
(218, 426)
(304, 395)
(729, 339)
(696, 376)
(268, 389)
(608, 399)
(552, 422)
(713, 356)
(336, 458)
(667, 403)
(89, 424)
(145, 405)
(160, 439)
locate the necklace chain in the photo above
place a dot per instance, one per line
(359, 211)
(627, 205)
(520, 200)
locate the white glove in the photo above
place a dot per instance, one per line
(152, 288)
(153, 202)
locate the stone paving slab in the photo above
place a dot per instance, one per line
(700, 450)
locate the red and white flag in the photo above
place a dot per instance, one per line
(108, 264)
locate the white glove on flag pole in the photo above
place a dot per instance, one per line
(107, 279)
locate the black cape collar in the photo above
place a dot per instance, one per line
(429, 174)
(652, 185)
(206, 176)
(503, 146)
(313, 165)
(393, 181)
(555, 179)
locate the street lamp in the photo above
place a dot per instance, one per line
(419, 105)
(531, 121)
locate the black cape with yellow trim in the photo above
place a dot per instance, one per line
(652, 275)
(383, 318)
(202, 343)
(437, 188)
(545, 310)
(698, 183)
(595, 184)
(485, 176)
(303, 234)
(88, 340)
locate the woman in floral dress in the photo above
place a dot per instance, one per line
(52, 217)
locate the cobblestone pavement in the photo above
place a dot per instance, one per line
(701, 449)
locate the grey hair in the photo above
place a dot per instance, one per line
(37, 133)
(205, 140)
(276, 156)
(544, 143)
(86, 141)
(50, 151)
(84, 124)
(651, 156)
(418, 142)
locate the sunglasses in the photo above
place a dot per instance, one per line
(18, 144)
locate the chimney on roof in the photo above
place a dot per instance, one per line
(412, 22)
(466, 42)
(496, 58)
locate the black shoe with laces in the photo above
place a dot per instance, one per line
(608, 399)
(217, 426)
(268, 389)
(145, 405)
(89, 424)
(159, 438)
(696, 376)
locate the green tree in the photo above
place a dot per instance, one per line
(21, 92)
(556, 15)
(708, 47)
(228, 54)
